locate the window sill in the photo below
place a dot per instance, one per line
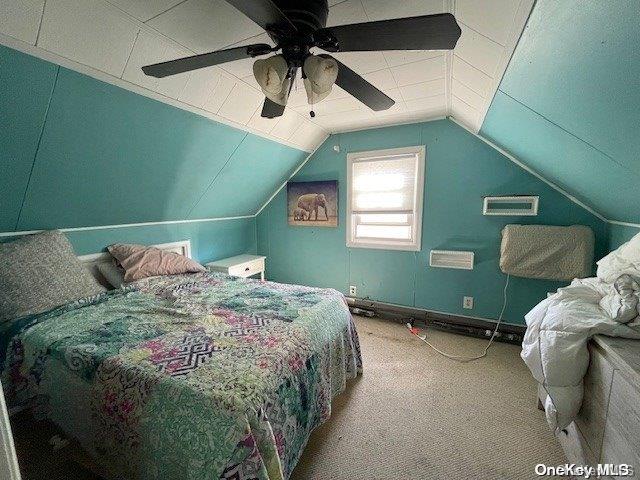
(385, 246)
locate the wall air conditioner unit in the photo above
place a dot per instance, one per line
(451, 259)
(516, 205)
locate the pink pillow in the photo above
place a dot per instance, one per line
(140, 261)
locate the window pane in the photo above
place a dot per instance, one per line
(380, 201)
(383, 218)
(381, 231)
(384, 183)
(385, 198)
(378, 182)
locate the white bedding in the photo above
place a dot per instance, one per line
(558, 328)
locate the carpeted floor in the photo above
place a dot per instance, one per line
(416, 415)
(412, 415)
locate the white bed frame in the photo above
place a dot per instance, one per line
(8, 461)
(92, 261)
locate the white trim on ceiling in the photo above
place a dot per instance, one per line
(298, 168)
(488, 142)
(525, 8)
(127, 225)
(395, 124)
(450, 6)
(624, 224)
(518, 25)
(174, 222)
(304, 162)
(532, 172)
(38, 52)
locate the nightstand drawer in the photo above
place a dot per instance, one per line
(239, 266)
(247, 269)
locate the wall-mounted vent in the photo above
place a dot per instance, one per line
(518, 205)
(451, 259)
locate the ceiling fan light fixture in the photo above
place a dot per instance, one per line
(319, 76)
(281, 97)
(313, 97)
(295, 27)
(271, 75)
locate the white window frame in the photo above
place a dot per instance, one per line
(384, 243)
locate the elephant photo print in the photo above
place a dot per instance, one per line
(313, 204)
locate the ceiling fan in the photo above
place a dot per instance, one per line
(296, 26)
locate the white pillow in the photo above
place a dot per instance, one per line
(114, 274)
(625, 259)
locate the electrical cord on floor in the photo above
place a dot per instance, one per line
(460, 358)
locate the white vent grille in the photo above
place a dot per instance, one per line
(451, 259)
(519, 205)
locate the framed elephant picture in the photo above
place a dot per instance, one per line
(313, 204)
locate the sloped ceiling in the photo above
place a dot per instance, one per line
(78, 152)
(569, 103)
(117, 37)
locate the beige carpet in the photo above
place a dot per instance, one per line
(416, 415)
(412, 415)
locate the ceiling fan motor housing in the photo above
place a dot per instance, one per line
(308, 17)
(297, 26)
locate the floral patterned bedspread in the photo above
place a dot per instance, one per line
(198, 376)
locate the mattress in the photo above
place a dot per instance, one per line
(198, 376)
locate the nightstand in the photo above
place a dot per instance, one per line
(239, 266)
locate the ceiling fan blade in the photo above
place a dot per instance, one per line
(271, 109)
(428, 32)
(173, 67)
(266, 14)
(362, 90)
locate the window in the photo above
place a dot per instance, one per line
(384, 198)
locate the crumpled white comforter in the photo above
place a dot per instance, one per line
(558, 328)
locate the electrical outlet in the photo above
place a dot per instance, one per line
(353, 291)
(467, 302)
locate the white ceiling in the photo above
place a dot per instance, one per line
(117, 37)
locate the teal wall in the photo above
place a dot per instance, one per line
(619, 234)
(460, 170)
(23, 108)
(78, 152)
(569, 103)
(209, 240)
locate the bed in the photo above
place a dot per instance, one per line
(196, 376)
(555, 345)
